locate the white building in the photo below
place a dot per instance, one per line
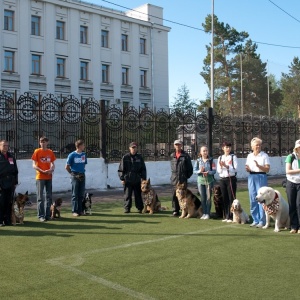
(74, 47)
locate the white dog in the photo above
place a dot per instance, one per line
(239, 216)
(275, 206)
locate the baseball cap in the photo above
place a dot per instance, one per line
(177, 142)
(133, 144)
(297, 144)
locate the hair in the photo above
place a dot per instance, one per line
(44, 138)
(79, 143)
(200, 155)
(228, 144)
(256, 140)
(3, 141)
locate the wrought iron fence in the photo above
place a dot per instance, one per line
(107, 131)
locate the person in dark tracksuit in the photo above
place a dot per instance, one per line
(8, 182)
(132, 170)
(181, 171)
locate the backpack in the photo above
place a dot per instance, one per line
(232, 155)
(284, 180)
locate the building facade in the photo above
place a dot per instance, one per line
(74, 47)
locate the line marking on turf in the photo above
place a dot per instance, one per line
(79, 260)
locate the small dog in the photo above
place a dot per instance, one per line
(150, 198)
(87, 204)
(55, 208)
(239, 216)
(18, 205)
(218, 201)
(189, 204)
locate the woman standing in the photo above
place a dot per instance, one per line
(292, 169)
(258, 165)
(205, 168)
(227, 168)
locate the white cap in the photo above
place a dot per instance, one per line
(176, 142)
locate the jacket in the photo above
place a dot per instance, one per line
(181, 168)
(8, 171)
(132, 169)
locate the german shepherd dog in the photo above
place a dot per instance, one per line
(55, 208)
(189, 204)
(218, 201)
(87, 204)
(18, 205)
(150, 198)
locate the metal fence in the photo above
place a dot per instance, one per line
(107, 131)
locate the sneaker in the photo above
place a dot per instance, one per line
(225, 220)
(126, 211)
(294, 231)
(253, 224)
(203, 217)
(42, 219)
(175, 214)
(2, 225)
(229, 221)
(206, 217)
(259, 225)
(75, 214)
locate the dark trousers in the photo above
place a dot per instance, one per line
(6, 197)
(228, 190)
(128, 190)
(175, 203)
(293, 195)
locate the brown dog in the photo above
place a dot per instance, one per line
(55, 208)
(150, 199)
(189, 204)
(218, 201)
(17, 212)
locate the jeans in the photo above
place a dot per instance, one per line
(293, 195)
(255, 182)
(43, 203)
(78, 190)
(205, 192)
(228, 190)
(136, 189)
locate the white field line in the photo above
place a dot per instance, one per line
(79, 260)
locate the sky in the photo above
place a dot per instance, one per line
(264, 22)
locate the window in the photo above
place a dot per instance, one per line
(60, 67)
(60, 30)
(143, 78)
(124, 42)
(9, 61)
(104, 38)
(105, 73)
(84, 70)
(9, 20)
(83, 34)
(142, 46)
(35, 25)
(125, 72)
(36, 64)
(125, 105)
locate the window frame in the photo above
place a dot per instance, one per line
(104, 38)
(105, 73)
(83, 34)
(35, 63)
(124, 42)
(35, 25)
(9, 21)
(84, 70)
(60, 67)
(125, 75)
(143, 78)
(143, 46)
(9, 61)
(60, 30)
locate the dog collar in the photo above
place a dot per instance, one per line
(272, 208)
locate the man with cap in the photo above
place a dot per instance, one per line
(292, 169)
(43, 162)
(181, 171)
(132, 170)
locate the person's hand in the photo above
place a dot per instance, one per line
(123, 182)
(222, 164)
(205, 173)
(202, 169)
(257, 164)
(247, 168)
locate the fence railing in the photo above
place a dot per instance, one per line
(107, 131)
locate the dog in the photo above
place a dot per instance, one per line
(189, 204)
(18, 205)
(87, 203)
(239, 216)
(274, 206)
(150, 198)
(218, 201)
(55, 208)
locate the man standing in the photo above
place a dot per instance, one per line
(43, 162)
(8, 182)
(181, 171)
(76, 162)
(132, 169)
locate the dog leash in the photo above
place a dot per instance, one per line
(230, 183)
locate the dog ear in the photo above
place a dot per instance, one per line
(26, 193)
(149, 180)
(231, 208)
(19, 194)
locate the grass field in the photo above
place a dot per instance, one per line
(110, 255)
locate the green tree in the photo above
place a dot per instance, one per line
(290, 85)
(183, 101)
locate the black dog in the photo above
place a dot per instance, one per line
(87, 204)
(218, 201)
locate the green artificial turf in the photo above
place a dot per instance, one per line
(111, 255)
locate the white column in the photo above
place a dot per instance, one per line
(135, 64)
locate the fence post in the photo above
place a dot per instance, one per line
(103, 130)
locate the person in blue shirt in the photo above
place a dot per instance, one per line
(205, 168)
(76, 162)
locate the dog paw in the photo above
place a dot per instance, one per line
(276, 230)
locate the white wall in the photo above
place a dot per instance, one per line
(99, 174)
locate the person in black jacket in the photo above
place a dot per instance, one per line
(8, 181)
(132, 170)
(181, 171)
